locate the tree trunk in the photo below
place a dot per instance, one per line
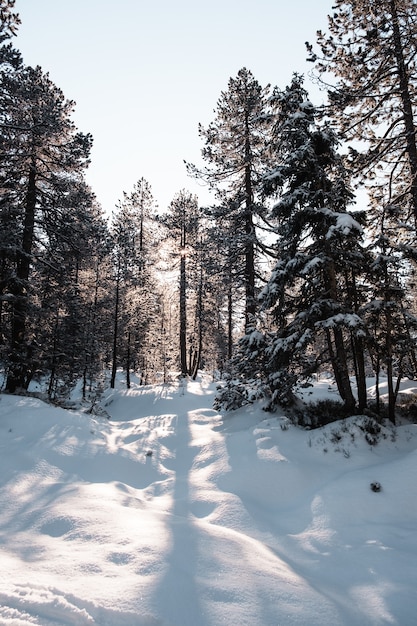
(250, 305)
(377, 392)
(183, 318)
(53, 360)
(229, 323)
(199, 316)
(390, 370)
(115, 329)
(340, 364)
(407, 107)
(128, 362)
(19, 361)
(339, 361)
(358, 348)
(360, 373)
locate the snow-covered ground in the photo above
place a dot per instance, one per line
(170, 514)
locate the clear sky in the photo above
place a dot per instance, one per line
(145, 73)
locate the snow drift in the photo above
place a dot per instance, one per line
(172, 514)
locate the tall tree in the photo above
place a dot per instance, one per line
(318, 247)
(45, 164)
(182, 222)
(135, 298)
(235, 150)
(67, 283)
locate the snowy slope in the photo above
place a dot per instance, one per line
(170, 514)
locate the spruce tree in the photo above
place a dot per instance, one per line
(319, 244)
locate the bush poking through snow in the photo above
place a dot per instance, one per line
(372, 430)
(407, 408)
(376, 486)
(317, 414)
(235, 394)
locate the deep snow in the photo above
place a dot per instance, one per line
(171, 514)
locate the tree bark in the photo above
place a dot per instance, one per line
(115, 329)
(19, 369)
(339, 361)
(183, 318)
(128, 362)
(407, 104)
(250, 305)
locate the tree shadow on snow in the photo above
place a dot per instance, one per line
(177, 597)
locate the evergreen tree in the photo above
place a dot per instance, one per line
(225, 294)
(388, 313)
(318, 248)
(67, 287)
(370, 49)
(235, 150)
(9, 22)
(44, 168)
(182, 224)
(136, 297)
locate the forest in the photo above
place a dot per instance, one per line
(305, 262)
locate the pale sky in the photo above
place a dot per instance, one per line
(144, 74)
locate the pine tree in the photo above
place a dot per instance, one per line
(319, 243)
(66, 284)
(136, 298)
(182, 224)
(388, 313)
(235, 150)
(46, 159)
(9, 21)
(370, 49)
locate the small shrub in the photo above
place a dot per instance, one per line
(236, 393)
(320, 413)
(376, 486)
(407, 408)
(372, 430)
(335, 437)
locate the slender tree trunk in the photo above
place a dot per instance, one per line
(229, 323)
(250, 306)
(93, 349)
(340, 364)
(390, 369)
(407, 106)
(128, 362)
(183, 318)
(53, 361)
(333, 361)
(361, 374)
(19, 365)
(199, 316)
(377, 392)
(358, 350)
(115, 329)
(339, 361)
